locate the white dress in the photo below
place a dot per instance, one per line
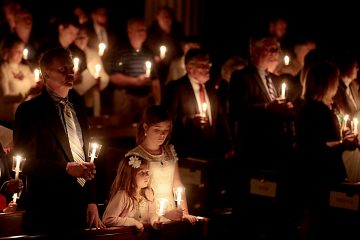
(162, 170)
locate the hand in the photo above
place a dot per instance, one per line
(10, 208)
(143, 80)
(84, 170)
(175, 214)
(192, 219)
(14, 186)
(139, 226)
(157, 225)
(350, 142)
(93, 217)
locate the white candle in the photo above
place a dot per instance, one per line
(17, 167)
(92, 156)
(346, 118)
(147, 68)
(178, 195)
(162, 206)
(76, 64)
(14, 197)
(37, 74)
(102, 47)
(162, 52)
(25, 53)
(204, 108)
(283, 90)
(286, 60)
(356, 122)
(97, 70)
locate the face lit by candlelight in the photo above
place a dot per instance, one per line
(157, 133)
(142, 176)
(199, 70)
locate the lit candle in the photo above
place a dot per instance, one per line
(162, 52)
(76, 64)
(346, 118)
(37, 74)
(92, 156)
(286, 60)
(97, 70)
(14, 197)
(25, 53)
(355, 122)
(162, 206)
(204, 108)
(17, 166)
(178, 195)
(283, 90)
(147, 68)
(102, 47)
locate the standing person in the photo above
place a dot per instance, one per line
(131, 198)
(51, 132)
(152, 138)
(135, 88)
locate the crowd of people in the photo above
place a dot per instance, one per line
(289, 113)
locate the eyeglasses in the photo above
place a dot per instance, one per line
(272, 50)
(202, 65)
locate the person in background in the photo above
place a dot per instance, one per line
(131, 197)
(51, 131)
(152, 145)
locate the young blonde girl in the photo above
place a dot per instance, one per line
(131, 199)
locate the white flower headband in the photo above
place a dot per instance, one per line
(135, 162)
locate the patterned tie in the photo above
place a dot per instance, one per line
(270, 85)
(76, 148)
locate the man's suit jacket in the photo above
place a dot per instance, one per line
(40, 137)
(188, 136)
(261, 135)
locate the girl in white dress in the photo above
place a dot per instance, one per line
(131, 199)
(152, 140)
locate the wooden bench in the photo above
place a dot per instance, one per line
(11, 227)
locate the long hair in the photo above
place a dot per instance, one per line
(153, 115)
(125, 179)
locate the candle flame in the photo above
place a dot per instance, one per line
(286, 60)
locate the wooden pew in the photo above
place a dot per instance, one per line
(11, 227)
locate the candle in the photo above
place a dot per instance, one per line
(147, 68)
(25, 53)
(178, 195)
(283, 90)
(76, 64)
(355, 123)
(102, 47)
(37, 74)
(94, 146)
(17, 166)
(204, 108)
(94, 150)
(162, 52)
(346, 118)
(162, 206)
(286, 60)
(97, 70)
(14, 197)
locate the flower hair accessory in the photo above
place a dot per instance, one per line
(135, 162)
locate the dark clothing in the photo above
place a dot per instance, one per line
(55, 200)
(190, 137)
(4, 171)
(263, 137)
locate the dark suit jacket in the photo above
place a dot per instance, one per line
(189, 138)
(262, 136)
(52, 194)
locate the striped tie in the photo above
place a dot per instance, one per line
(270, 86)
(76, 148)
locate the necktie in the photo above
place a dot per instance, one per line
(270, 86)
(76, 148)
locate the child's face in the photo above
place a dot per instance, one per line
(143, 177)
(157, 133)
